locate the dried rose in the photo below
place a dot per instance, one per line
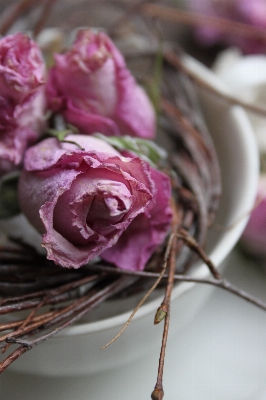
(254, 236)
(251, 12)
(94, 202)
(92, 87)
(22, 97)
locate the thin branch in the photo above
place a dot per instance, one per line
(15, 12)
(221, 283)
(47, 8)
(99, 295)
(231, 27)
(128, 14)
(163, 311)
(51, 295)
(142, 301)
(191, 243)
(15, 324)
(176, 61)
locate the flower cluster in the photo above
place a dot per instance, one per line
(85, 197)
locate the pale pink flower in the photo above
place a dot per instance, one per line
(93, 89)
(94, 202)
(252, 12)
(254, 236)
(22, 97)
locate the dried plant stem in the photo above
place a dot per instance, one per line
(14, 250)
(176, 62)
(15, 324)
(47, 8)
(196, 19)
(163, 312)
(191, 242)
(51, 296)
(66, 317)
(15, 12)
(219, 283)
(24, 323)
(142, 301)
(158, 392)
(128, 14)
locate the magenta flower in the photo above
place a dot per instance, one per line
(252, 12)
(91, 86)
(254, 236)
(94, 202)
(22, 97)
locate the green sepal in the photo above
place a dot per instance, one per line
(61, 134)
(143, 148)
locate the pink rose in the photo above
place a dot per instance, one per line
(254, 236)
(91, 86)
(252, 12)
(22, 97)
(94, 202)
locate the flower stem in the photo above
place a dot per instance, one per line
(15, 12)
(176, 61)
(163, 311)
(171, 14)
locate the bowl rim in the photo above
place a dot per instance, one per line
(219, 253)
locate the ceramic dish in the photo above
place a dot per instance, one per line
(76, 350)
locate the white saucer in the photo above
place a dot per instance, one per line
(220, 355)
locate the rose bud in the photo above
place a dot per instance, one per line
(85, 201)
(22, 97)
(253, 240)
(93, 89)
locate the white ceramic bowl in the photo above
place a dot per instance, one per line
(76, 350)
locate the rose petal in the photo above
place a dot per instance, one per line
(146, 232)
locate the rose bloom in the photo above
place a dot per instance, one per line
(251, 12)
(93, 89)
(94, 202)
(22, 97)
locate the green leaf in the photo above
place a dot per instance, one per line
(145, 149)
(9, 205)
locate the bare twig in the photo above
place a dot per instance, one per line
(171, 14)
(127, 15)
(145, 297)
(221, 283)
(47, 9)
(163, 311)
(191, 242)
(15, 12)
(176, 61)
(81, 307)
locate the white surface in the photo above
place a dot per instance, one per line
(246, 76)
(219, 355)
